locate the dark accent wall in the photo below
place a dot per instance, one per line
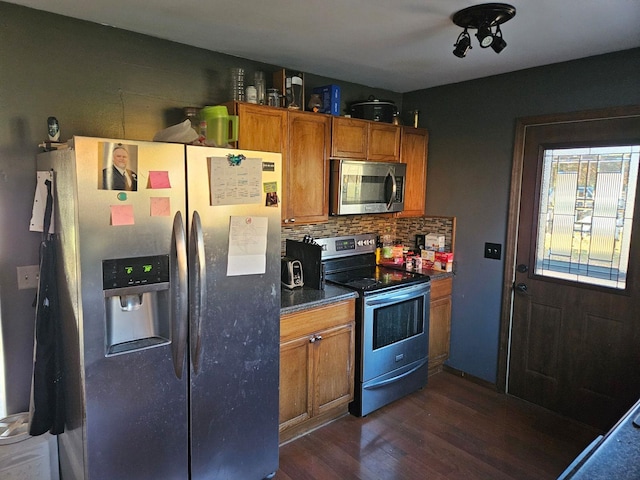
(97, 81)
(471, 133)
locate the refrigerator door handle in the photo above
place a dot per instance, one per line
(179, 294)
(197, 289)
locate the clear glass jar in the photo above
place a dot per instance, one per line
(258, 81)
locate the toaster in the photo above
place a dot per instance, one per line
(291, 274)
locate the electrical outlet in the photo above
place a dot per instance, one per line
(493, 251)
(28, 277)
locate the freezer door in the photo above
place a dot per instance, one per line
(234, 211)
(127, 409)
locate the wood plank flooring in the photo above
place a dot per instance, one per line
(452, 429)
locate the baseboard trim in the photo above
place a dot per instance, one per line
(471, 378)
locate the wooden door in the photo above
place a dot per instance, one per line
(306, 172)
(349, 138)
(334, 374)
(383, 143)
(575, 336)
(413, 152)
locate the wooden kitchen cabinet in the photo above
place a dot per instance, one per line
(316, 367)
(261, 128)
(306, 171)
(364, 140)
(439, 323)
(383, 143)
(413, 152)
(303, 139)
(349, 138)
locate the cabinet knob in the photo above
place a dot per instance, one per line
(318, 337)
(312, 339)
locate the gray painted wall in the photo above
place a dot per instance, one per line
(102, 81)
(471, 132)
(98, 81)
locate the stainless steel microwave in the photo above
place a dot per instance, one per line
(358, 186)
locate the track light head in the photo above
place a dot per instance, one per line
(462, 45)
(484, 36)
(498, 43)
(486, 19)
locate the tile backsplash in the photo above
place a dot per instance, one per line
(400, 229)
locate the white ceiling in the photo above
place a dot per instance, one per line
(398, 45)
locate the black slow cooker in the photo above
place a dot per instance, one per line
(374, 109)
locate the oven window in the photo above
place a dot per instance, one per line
(397, 322)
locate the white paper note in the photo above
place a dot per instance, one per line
(236, 183)
(247, 245)
(40, 202)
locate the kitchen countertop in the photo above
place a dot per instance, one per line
(613, 456)
(305, 298)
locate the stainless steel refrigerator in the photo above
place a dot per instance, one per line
(170, 297)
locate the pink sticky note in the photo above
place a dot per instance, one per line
(160, 206)
(122, 215)
(159, 179)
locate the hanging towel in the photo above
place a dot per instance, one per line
(47, 394)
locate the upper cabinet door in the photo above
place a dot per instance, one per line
(306, 172)
(383, 143)
(413, 152)
(349, 138)
(261, 128)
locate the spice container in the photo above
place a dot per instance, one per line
(252, 94)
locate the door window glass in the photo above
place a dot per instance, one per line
(585, 214)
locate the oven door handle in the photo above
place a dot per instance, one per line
(387, 381)
(391, 299)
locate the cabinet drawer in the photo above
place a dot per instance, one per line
(305, 322)
(441, 288)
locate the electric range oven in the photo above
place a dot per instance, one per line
(392, 321)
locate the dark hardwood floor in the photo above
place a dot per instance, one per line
(453, 428)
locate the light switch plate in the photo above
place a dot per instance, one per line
(28, 277)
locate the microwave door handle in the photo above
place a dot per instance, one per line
(394, 187)
(179, 295)
(197, 290)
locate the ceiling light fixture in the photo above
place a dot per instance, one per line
(486, 19)
(463, 44)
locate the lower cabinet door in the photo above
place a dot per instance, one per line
(295, 387)
(333, 359)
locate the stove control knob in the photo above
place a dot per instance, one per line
(360, 243)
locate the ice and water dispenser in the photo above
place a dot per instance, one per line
(136, 297)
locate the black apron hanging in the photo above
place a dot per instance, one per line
(47, 405)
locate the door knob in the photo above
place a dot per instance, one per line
(521, 287)
(522, 268)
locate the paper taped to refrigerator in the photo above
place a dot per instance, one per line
(236, 181)
(40, 202)
(247, 245)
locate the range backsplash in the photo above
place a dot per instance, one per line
(402, 229)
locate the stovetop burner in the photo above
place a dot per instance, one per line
(375, 278)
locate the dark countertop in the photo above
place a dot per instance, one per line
(616, 455)
(436, 274)
(305, 298)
